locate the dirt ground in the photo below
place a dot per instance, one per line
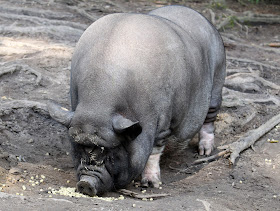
(37, 39)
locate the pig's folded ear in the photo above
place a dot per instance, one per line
(126, 127)
(60, 114)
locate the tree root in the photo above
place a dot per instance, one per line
(224, 23)
(247, 81)
(36, 12)
(260, 64)
(250, 138)
(59, 32)
(7, 106)
(224, 153)
(233, 98)
(16, 67)
(251, 18)
(141, 196)
(84, 14)
(43, 21)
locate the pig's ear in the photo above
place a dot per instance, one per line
(60, 114)
(126, 127)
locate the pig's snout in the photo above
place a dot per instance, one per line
(87, 185)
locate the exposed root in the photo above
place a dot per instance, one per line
(36, 12)
(7, 106)
(84, 14)
(141, 196)
(260, 64)
(59, 32)
(224, 153)
(248, 82)
(251, 18)
(42, 21)
(233, 98)
(224, 23)
(17, 67)
(250, 138)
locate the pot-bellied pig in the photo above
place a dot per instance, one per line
(136, 79)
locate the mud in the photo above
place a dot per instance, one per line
(37, 39)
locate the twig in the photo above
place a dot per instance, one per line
(141, 196)
(211, 158)
(275, 45)
(250, 138)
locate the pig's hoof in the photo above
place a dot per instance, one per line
(86, 186)
(152, 182)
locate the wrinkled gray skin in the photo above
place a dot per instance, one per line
(135, 80)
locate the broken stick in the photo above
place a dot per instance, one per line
(141, 196)
(250, 138)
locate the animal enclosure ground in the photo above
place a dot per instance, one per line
(37, 39)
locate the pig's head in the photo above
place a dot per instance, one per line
(102, 149)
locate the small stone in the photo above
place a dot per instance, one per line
(43, 177)
(23, 187)
(30, 141)
(134, 205)
(15, 171)
(32, 177)
(143, 191)
(151, 199)
(41, 180)
(240, 182)
(68, 181)
(33, 184)
(160, 188)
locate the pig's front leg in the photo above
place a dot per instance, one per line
(206, 138)
(151, 173)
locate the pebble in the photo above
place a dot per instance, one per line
(15, 171)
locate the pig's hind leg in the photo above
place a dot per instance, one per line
(206, 133)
